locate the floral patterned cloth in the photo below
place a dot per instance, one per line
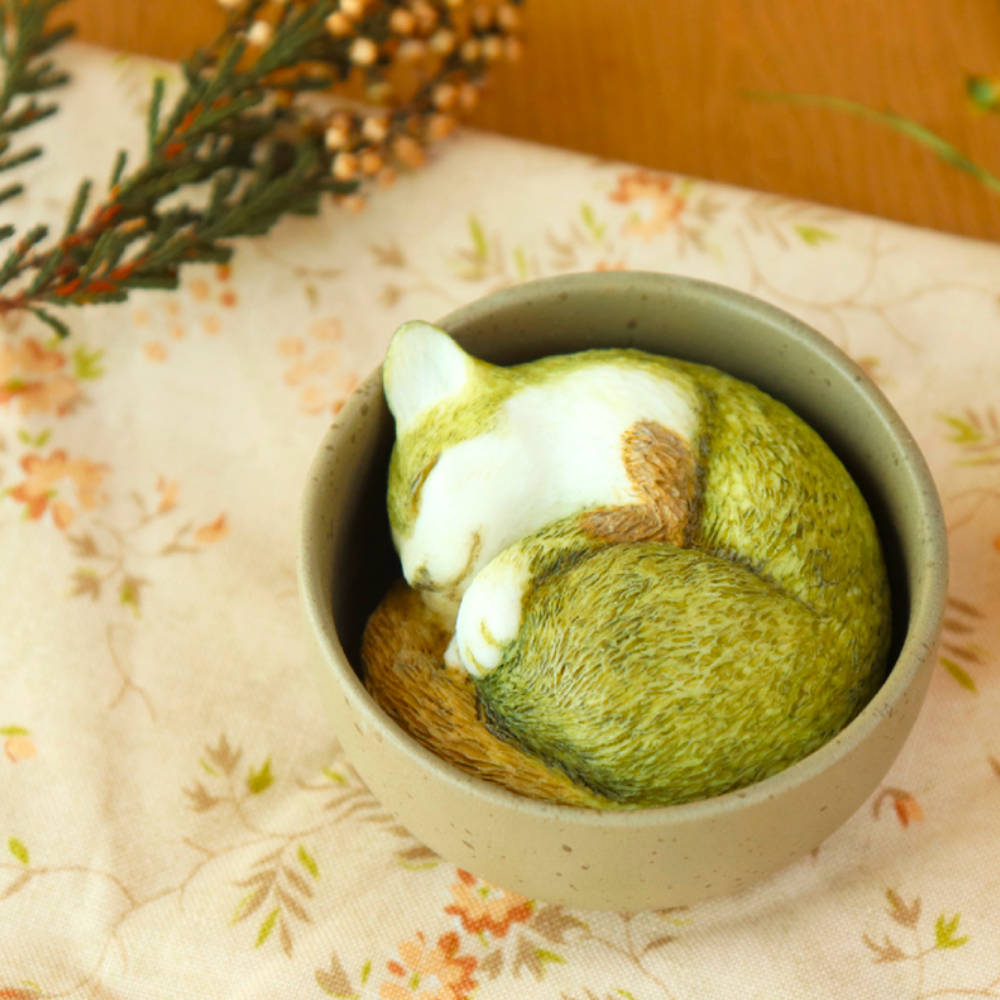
(176, 819)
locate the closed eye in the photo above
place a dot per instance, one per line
(417, 485)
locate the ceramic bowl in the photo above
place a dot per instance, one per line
(626, 860)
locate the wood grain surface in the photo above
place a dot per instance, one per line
(665, 83)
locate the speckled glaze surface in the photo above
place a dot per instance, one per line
(656, 857)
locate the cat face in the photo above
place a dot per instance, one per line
(454, 475)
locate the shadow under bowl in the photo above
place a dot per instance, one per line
(659, 857)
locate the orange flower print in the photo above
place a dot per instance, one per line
(155, 351)
(482, 908)
(312, 368)
(18, 745)
(39, 491)
(659, 191)
(168, 490)
(34, 376)
(430, 972)
(908, 810)
(212, 532)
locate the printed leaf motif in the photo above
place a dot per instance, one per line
(18, 850)
(297, 882)
(308, 862)
(977, 434)
(335, 980)
(86, 364)
(251, 902)
(492, 964)
(260, 780)
(86, 583)
(907, 916)
(959, 674)
(39, 440)
(552, 923)
(887, 952)
(129, 593)
(549, 956)
(261, 878)
(293, 906)
(84, 546)
(285, 937)
(527, 957)
(223, 756)
(944, 932)
(995, 764)
(16, 886)
(417, 857)
(659, 942)
(596, 229)
(266, 927)
(813, 235)
(389, 255)
(14, 731)
(478, 238)
(200, 798)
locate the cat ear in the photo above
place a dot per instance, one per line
(423, 366)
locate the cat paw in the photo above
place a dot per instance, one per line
(489, 617)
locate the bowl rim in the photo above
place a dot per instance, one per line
(927, 603)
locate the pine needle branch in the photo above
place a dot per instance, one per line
(25, 39)
(242, 150)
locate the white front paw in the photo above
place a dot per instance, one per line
(489, 616)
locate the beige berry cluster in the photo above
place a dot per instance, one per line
(446, 45)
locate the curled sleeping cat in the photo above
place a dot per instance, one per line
(661, 581)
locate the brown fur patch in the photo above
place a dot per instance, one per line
(402, 652)
(664, 472)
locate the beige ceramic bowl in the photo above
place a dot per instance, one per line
(656, 857)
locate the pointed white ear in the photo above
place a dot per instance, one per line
(422, 367)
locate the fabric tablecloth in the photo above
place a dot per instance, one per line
(176, 819)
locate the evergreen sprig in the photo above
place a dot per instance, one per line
(237, 141)
(25, 39)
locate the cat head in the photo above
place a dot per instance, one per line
(450, 479)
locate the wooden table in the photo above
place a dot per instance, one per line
(664, 83)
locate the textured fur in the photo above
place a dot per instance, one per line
(708, 610)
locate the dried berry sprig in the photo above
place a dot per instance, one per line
(25, 40)
(241, 129)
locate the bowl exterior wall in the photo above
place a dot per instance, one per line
(660, 857)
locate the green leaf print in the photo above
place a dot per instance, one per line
(308, 862)
(266, 927)
(813, 235)
(478, 238)
(595, 228)
(86, 364)
(18, 850)
(14, 731)
(944, 932)
(959, 674)
(260, 780)
(543, 955)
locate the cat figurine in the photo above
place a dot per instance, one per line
(661, 581)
